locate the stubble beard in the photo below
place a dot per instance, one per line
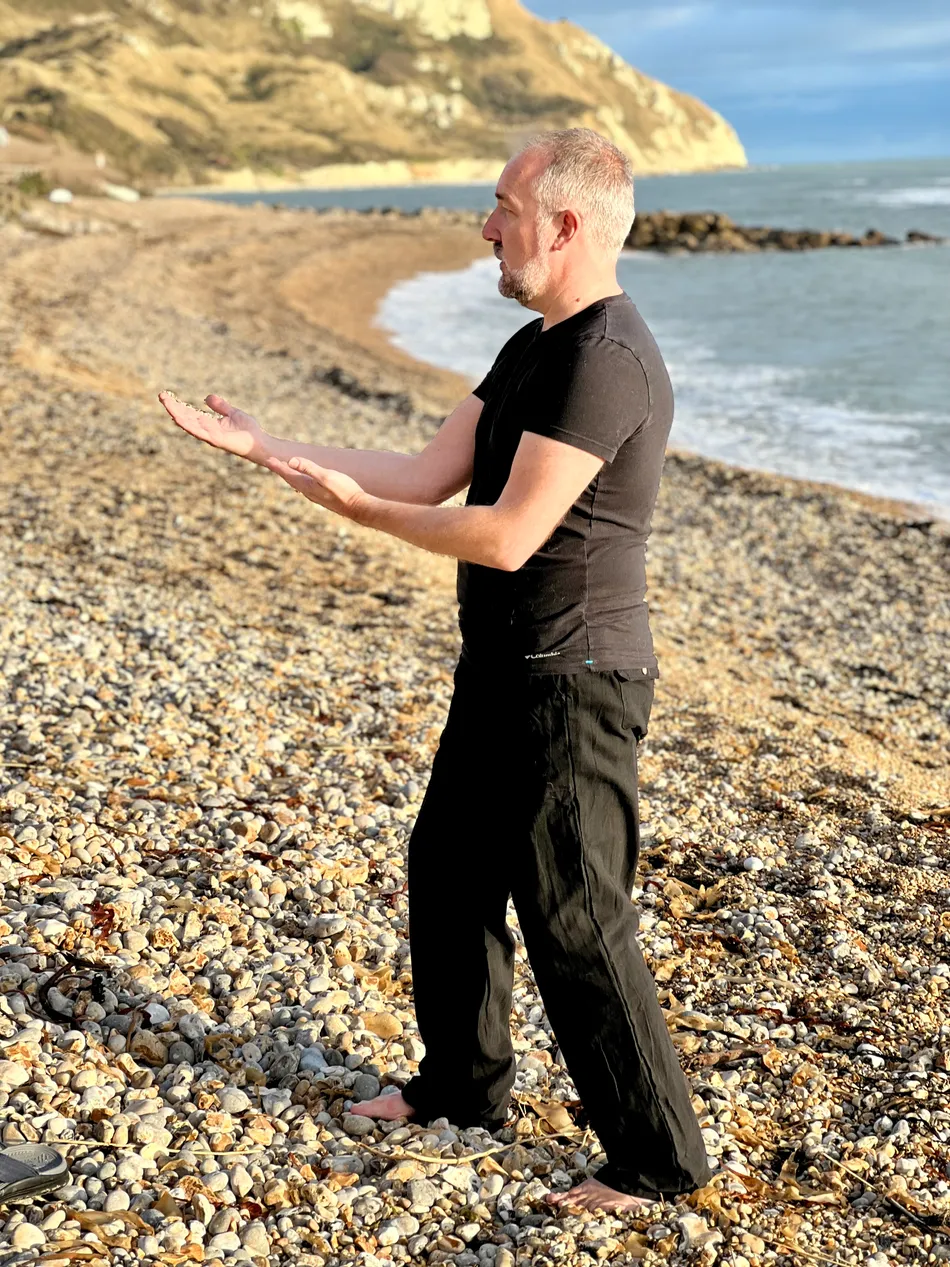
(523, 284)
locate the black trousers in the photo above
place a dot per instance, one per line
(533, 794)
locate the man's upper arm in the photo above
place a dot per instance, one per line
(446, 461)
(595, 397)
(547, 477)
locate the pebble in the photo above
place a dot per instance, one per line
(354, 1124)
(254, 1238)
(27, 1236)
(12, 1075)
(422, 1195)
(233, 1100)
(129, 1170)
(224, 1243)
(240, 1181)
(365, 1087)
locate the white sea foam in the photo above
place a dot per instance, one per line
(758, 416)
(937, 195)
(457, 321)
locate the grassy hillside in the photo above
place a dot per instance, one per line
(186, 91)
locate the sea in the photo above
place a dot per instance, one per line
(830, 365)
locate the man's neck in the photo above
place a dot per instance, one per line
(573, 298)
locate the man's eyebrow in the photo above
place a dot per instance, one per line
(501, 196)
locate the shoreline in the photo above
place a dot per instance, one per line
(403, 172)
(337, 290)
(898, 507)
(370, 271)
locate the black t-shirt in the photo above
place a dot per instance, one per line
(596, 381)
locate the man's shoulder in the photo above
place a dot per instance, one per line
(624, 327)
(615, 347)
(613, 320)
(623, 324)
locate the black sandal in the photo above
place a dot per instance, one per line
(29, 1170)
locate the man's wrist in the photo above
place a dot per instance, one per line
(362, 509)
(265, 448)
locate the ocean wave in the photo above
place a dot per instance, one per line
(760, 416)
(456, 321)
(937, 195)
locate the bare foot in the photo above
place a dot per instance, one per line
(386, 1107)
(591, 1195)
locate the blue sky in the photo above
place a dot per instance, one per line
(801, 81)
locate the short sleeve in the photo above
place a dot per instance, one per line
(483, 390)
(593, 395)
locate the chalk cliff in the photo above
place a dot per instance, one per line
(236, 92)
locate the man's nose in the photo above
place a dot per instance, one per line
(489, 232)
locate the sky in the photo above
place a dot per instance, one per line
(802, 80)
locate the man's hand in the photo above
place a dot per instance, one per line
(227, 428)
(331, 489)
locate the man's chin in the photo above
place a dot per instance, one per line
(509, 291)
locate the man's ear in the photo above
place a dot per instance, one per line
(568, 226)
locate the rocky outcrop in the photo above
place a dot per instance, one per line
(242, 92)
(676, 231)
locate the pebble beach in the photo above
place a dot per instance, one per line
(218, 710)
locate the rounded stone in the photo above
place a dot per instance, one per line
(26, 1236)
(254, 1238)
(365, 1087)
(233, 1100)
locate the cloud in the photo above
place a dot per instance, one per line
(896, 36)
(862, 63)
(750, 48)
(665, 17)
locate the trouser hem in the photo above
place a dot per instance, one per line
(427, 1110)
(632, 1184)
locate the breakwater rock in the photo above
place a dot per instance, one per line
(669, 231)
(672, 231)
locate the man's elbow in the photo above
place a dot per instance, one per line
(510, 554)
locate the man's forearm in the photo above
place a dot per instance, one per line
(477, 534)
(396, 477)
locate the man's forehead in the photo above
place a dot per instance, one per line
(507, 187)
(514, 182)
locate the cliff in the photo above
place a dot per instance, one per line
(181, 92)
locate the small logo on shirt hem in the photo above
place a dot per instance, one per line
(541, 655)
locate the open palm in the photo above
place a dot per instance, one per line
(228, 428)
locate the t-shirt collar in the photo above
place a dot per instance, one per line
(576, 318)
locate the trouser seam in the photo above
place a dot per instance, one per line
(598, 931)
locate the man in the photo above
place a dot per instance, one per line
(533, 792)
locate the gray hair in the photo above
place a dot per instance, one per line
(586, 172)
